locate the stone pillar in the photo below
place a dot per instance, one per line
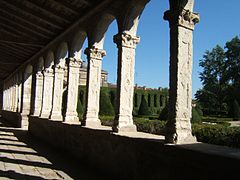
(27, 91)
(182, 23)
(38, 93)
(47, 93)
(71, 116)
(56, 113)
(19, 107)
(16, 94)
(4, 96)
(95, 56)
(126, 44)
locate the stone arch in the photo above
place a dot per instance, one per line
(27, 90)
(40, 64)
(61, 54)
(76, 45)
(96, 37)
(49, 62)
(128, 22)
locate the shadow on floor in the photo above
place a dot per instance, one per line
(23, 151)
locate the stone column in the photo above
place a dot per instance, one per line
(4, 96)
(95, 56)
(38, 93)
(27, 91)
(56, 113)
(16, 94)
(47, 93)
(126, 44)
(182, 23)
(71, 116)
(19, 92)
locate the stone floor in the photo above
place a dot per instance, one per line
(23, 157)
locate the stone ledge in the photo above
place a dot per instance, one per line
(138, 155)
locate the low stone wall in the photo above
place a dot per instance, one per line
(125, 157)
(14, 118)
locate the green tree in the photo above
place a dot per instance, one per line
(213, 77)
(143, 109)
(233, 68)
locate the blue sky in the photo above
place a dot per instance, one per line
(219, 23)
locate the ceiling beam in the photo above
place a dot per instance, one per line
(22, 28)
(21, 43)
(31, 5)
(7, 33)
(22, 49)
(14, 30)
(22, 21)
(57, 3)
(12, 50)
(29, 14)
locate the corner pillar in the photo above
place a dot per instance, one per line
(126, 44)
(95, 57)
(71, 116)
(182, 21)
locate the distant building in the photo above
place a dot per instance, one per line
(83, 76)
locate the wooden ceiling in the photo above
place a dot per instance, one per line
(26, 26)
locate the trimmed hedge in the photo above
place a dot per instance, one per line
(196, 117)
(106, 107)
(143, 109)
(219, 134)
(143, 124)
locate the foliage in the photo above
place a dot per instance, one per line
(220, 134)
(196, 117)
(220, 78)
(106, 107)
(150, 126)
(143, 124)
(143, 109)
(234, 111)
(212, 96)
(79, 108)
(164, 113)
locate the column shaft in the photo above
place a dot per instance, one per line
(72, 91)
(56, 113)
(93, 86)
(180, 93)
(126, 44)
(47, 93)
(38, 94)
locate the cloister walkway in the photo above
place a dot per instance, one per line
(23, 157)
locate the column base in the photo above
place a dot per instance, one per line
(180, 138)
(45, 115)
(71, 119)
(91, 122)
(56, 117)
(126, 128)
(24, 121)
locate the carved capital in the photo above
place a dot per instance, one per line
(95, 53)
(47, 72)
(126, 40)
(39, 75)
(59, 68)
(184, 18)
(73, 62)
